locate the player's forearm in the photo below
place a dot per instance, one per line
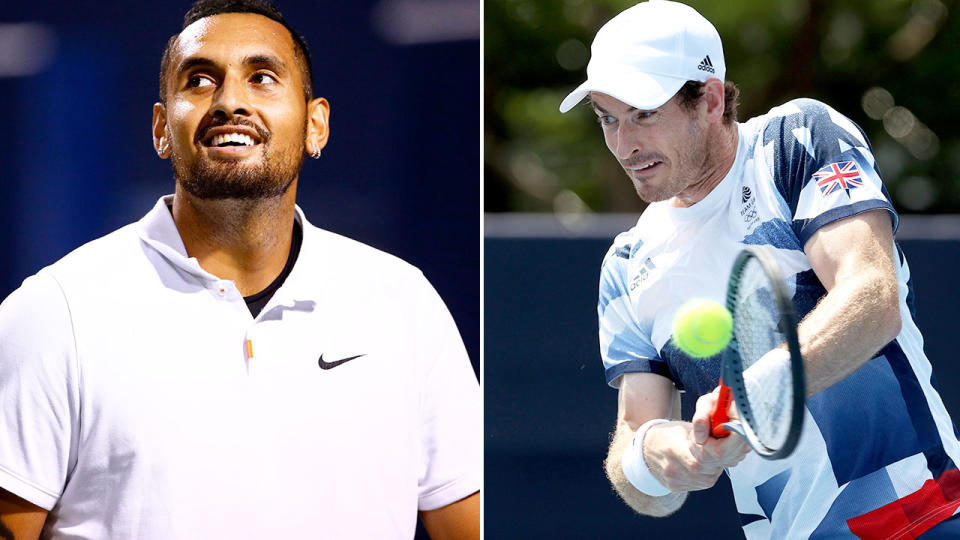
(639, 501)
(849, 325)
(456, 521)
(19, 519)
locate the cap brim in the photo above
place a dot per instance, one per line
(640, 90)
(575, 97)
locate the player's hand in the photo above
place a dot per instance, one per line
(681, 464)
(735, 448)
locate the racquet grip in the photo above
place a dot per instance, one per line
(720, 415)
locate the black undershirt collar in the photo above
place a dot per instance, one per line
(256, 302)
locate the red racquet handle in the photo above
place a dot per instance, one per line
(720, 413)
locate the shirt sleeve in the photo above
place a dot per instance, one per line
(451, 423)
(625, 344)
(823, 166)
(39, 392)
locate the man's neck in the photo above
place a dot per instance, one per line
(244, 241)
(720, 156)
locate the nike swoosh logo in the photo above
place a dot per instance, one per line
(331, 365)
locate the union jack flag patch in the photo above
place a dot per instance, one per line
(839, 175)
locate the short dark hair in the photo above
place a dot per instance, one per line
(208, 8)
(691, 92)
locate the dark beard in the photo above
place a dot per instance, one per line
(217, 180)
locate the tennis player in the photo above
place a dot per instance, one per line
(878, 454)
(222, 368)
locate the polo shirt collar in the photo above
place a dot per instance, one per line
(158, 230)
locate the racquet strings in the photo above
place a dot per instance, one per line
(769, 386)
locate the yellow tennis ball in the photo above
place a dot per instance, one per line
(702, 328)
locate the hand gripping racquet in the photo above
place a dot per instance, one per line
(762, 368)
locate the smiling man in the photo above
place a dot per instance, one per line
(878, 454)
(222, 368)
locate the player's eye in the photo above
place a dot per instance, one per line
(198, 81)
(643, 115)
(607, 119)
(263, 78)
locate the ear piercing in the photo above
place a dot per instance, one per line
(316, 153)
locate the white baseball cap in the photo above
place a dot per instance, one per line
(646, 53)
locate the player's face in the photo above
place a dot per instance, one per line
(235, 112)
(661, 150)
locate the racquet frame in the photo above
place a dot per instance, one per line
(732, 385)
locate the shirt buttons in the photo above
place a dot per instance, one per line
(222, 287)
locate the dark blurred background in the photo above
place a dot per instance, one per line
(555, 198)
(401, 172)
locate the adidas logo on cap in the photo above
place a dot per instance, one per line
(706, 65)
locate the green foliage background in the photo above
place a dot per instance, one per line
(898, 60)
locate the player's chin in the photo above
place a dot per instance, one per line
(648, 187)
(648, 193)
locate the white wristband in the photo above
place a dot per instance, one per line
(635, 468)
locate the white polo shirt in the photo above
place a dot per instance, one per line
(140, 399)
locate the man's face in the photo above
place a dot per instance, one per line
(235, 112)
(662, 151)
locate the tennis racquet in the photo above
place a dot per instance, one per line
(762, 370)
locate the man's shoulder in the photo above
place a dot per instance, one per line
(624, 243)
(625, 246)
(100, 256)
(801, 107)
(348, 256)
(800, 121)
(95, 262)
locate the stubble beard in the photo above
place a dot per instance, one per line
(207, 179)
(684, 171)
